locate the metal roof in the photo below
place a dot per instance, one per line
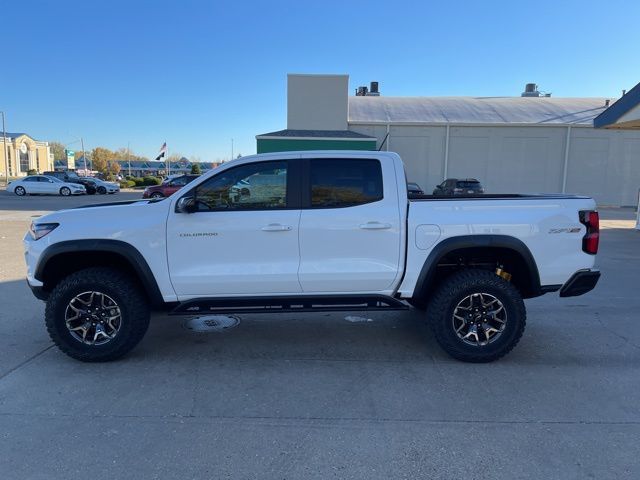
(475, 110)
(611, 115)
(340, 134)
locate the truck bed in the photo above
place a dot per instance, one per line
(497, 196)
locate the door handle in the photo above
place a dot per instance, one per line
(276, 227)
(375, 226)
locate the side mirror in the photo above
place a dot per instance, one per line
(186, 205)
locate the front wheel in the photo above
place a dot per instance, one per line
(102, 190)
(20, 191)
(97, 314)
(477, 316)
(157, 195)
(65, 191)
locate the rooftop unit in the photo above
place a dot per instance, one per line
(531, 90)
(372, 91)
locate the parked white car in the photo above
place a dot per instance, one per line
(44, 185)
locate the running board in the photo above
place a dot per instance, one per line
(335, 303)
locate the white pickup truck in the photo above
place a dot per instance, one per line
(309, 231)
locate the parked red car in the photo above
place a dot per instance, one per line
(169, 187)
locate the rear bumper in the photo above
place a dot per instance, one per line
(581, 282)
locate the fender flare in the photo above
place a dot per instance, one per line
(124, 249)
(428, 271)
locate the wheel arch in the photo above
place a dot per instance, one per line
(63, 258)
(526, 278)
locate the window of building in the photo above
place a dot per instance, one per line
(255, 186)
(345, 183)
(24, 160)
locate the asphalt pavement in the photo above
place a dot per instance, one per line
(317, 396)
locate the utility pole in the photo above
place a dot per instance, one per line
(84, 157)
(129, 158)
(6, 158)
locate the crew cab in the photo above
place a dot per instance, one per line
(309, 231)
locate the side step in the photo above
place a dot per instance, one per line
(335, 303)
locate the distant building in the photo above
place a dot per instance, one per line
(526, 144)
(23, 153)
(142, 168)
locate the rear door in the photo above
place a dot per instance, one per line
(349, 226)
(31, 185)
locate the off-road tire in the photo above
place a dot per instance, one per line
(453, 290)
(120, 287)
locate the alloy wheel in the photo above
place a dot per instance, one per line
(93, 318)
(479, 319)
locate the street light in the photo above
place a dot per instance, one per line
(4, 149)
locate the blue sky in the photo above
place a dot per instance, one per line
(197, 73)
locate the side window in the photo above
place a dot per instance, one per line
(255, 186)
(31, 179)
(179, 182)
(345, 182)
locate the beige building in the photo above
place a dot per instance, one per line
(22, 154)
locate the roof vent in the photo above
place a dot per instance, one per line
(372, 91)
(531, 90)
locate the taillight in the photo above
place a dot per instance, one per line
(591, 220)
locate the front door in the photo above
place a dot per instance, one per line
(350, 230)
(243, 237)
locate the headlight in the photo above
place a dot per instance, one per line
(39, 230)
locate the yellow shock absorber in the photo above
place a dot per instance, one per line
(502, 273)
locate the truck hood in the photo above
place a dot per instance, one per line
(113, 213)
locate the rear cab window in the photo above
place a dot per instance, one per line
(338, 183)
(468, 184)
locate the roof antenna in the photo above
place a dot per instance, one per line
(383, 141)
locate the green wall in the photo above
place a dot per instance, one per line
(267, 145)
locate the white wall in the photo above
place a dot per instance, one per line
(317, 102)
(604, 164)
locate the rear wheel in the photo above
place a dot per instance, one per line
(97, 314)
(477, 316)
(65, 191)
(20, 191)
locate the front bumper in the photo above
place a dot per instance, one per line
(38, 291)
(581, 282)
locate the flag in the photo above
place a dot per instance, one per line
(163, 151)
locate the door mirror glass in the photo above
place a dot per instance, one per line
(186, 205)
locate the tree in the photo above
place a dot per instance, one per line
(101, 158)
(195, 169)
(57, 149)
(114, 167)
